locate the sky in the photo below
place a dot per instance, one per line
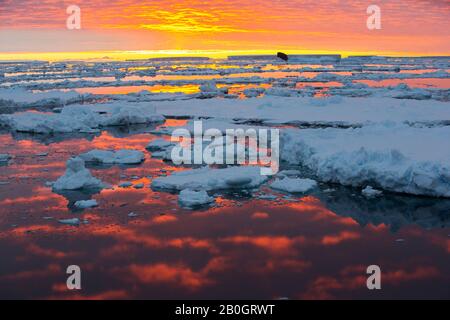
(413, 27)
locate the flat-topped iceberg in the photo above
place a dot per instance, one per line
(209, 179)
(398, 158)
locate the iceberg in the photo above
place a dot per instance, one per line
(77, 177)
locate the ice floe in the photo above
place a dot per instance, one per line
(190, 198)
(159, 145)
(81, 118)
(209, 179)
(77, 177)
(124, 156)
(334, 111)
(294, 185)
(370, 192)
(4, 158)
(85, 204)
(392, 157)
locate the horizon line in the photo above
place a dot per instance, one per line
(123, 55)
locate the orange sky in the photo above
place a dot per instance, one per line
(414, 27)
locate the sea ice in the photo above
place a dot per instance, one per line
(294, 185)
(81, 118)
(370, 192)
(159, 145)
(190, 198)
(124, 156)
(4, 157)
(84, 204)
(71, 222)
(212, 179)
(77, 177)
(393, 157)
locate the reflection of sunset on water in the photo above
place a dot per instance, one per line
(301, 248)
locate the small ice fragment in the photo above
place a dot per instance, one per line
(190, 198)
(126, 184)
(370, 192)
(159, 145)
(138, 186)
(294, 185)
(84, 204)
(4, 157)
(72, 222)
(267, 197)
(132, 215)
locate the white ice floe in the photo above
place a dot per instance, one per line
(190, 198)
(294, 185)
(71, 222)
(85, 204)
(126, 184)
(4, 157)
(77, 177)
(138, 185)
(22, 96)
(81, 118)
(312, 111)
(392, 157)
(124, 156)
(159, 145)
(370, 192)
(212, 179)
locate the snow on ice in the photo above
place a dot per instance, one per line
(209, 179)
(392, 157)
(77, 177)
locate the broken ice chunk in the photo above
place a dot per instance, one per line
(190, 198)
(370, 192)
(294, 185)
(72, 222)
(77, 177)
(84, 204)
(123, 156)
(212, 179)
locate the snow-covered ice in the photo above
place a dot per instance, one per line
(71, 221)
(81, 118)
(392, 157)
(159, 145)
(294, 185)
(77, 177)
(124, 156)
(190, 198)
(312, 111)
(4, 157)
(370, 192)
(209, 179)
(85, 204)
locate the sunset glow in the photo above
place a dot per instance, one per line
(130, 29)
